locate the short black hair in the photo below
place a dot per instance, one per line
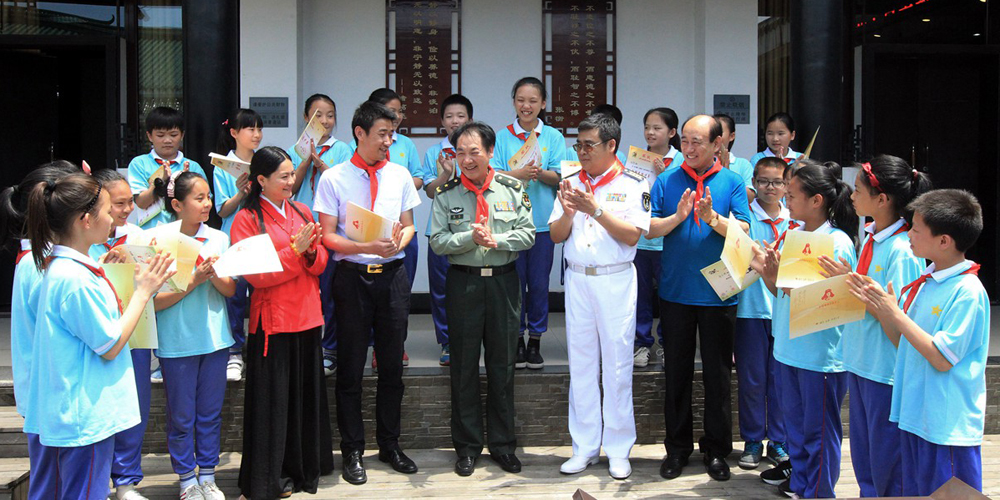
(108, 176)
(954, 212)
(368, 113)
(772, 162)
(606, 126)
(457, 99)
(609, 109)
(486, 134)
(164, 118)
(714, 131)
(384, 95)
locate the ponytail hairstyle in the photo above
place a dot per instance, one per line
(534, 82)
(893, 177)
(317, 97)
(240, 119)
(825, 179)
(14, 199)
(53, 206)
(180, 185)
(265, 162)
(669, 117)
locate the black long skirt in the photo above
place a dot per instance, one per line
(287, 442)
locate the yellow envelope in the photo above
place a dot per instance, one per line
(528, 152)
(314, 131)
(823, 304)
(723, 283)
(232, 166)
(363, 225)
(184, 250)
(737, 252)
(121, 277)
(640, 162)
(800, 258)
(570, 168)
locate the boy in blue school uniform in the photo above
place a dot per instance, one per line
(165, 130)
(942, 333)
(440, 167)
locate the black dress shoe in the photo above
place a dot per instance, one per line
(507, 462)
(672, 466)
(717, 468)
(465, 466)
(354, 468)
(399, 461)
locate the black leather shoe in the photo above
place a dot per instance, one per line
(465, 466)
(507, 462)
(399, 461)
(354, 468)
(672, 466)
(717, 468)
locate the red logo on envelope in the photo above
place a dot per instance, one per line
(828, 294)
(807, 250)
(357, 224)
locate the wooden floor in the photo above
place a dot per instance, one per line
(540, 478)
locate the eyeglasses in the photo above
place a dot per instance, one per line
(586, 146)
(767, 182)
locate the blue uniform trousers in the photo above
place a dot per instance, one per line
(647, 273)
(759, 381)
(326, 298)
(71, 473)
(874, 439)
(196, 389)
(437, 273)
(126, 466)
(929, 465)
(236, 308)
(533, 268)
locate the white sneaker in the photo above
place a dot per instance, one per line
(577, 464)
(211, 491)
(192, 492)
(619, 468)
(641, 357)
(234, 368)
(157, 376)
(128, 492)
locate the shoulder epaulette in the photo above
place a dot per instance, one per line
(634, 175)
(448, 185)
(508, 181)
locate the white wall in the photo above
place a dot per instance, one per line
(674, 53)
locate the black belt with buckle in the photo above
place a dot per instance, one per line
(485, 271)
(372, 268)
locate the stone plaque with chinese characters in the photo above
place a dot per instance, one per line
(736, 106)
(578, 60)
(423, 60)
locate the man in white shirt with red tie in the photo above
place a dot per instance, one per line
(600, 214)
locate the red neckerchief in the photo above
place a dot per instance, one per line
(774, 226)
(20, 255)
(100, 272)
(322, 151)
(200, 258)
(609, 176)
(120, 240)
(165, 163)
(914, 287)
(448, 153)
(865, 260)
(523, 136)
(791, 225)
(371, 169)
(700, 179)
(482, 208)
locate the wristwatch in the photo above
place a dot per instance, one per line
(599, 212)
(715, 220)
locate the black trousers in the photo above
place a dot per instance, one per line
(714, 327)
(365, 303)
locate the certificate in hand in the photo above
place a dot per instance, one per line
(232, 166)
(569, 168)
(529, 152)
(737, 251)
(363, 225)
(640, 162)
(314, 131)
(723, 283)
(122, 277)
(800, 258)
(254, 255)
(182, 248)
(823, 304)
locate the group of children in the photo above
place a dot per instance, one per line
(69, 326)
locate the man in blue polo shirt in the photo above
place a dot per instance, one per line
(691, 207)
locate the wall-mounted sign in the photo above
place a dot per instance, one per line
(735, 105)
(273, 110)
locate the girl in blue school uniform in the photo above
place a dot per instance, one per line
(126, 467)
(440, 167)
(811, 371)
(660, 131)
(328, 152)
(194, 340)
(779, 132)
(756, 368)
(240, 135)
(882, 190)
(81, 391)
(534, 265)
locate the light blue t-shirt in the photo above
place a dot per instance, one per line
(23, 314)
(76, 397)
(225, 188)
(868, 352)
(692, 246)
(743, 167)
(197, 324)
(672, 160)
(143, 166)
(945, 408)
(339, 152)
(120, 238)
(553, 146)
(430, 170)
(790, 155)
(756, 300)
(820, 351)
(402, 151)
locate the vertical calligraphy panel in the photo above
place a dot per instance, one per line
(578, 60)
(423, 60)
